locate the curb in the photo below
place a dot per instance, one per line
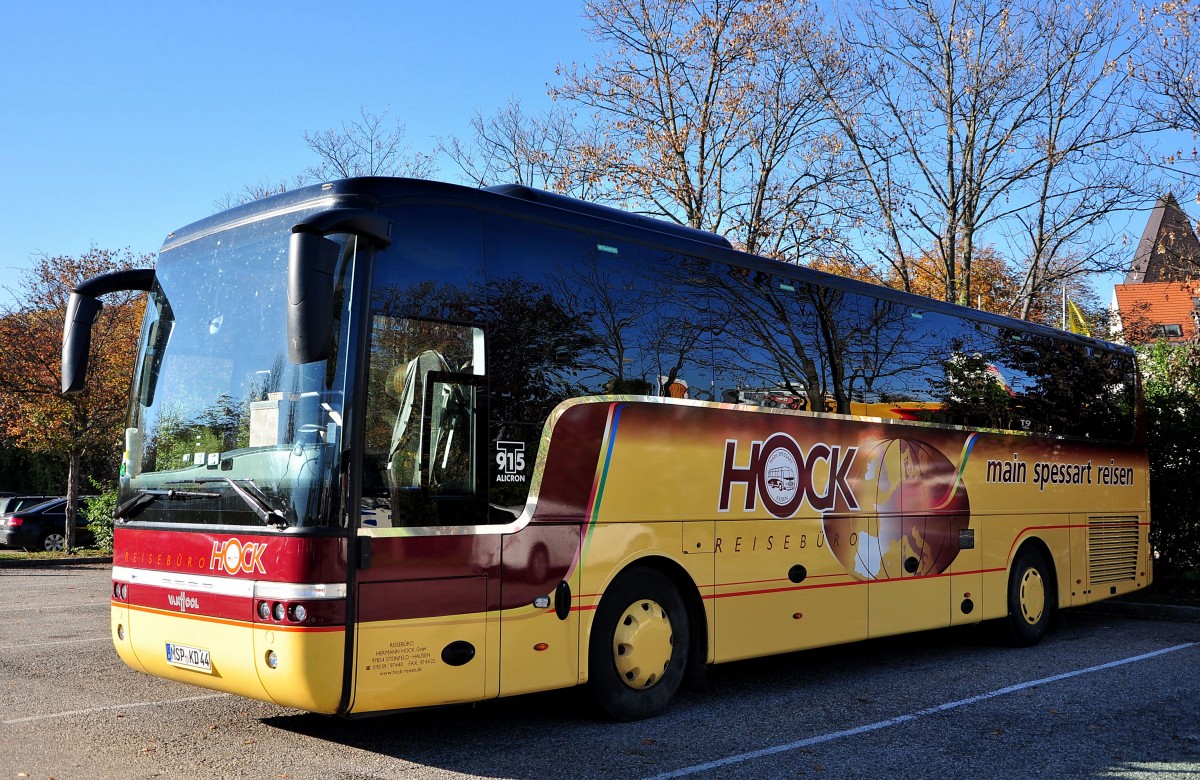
(33, 563)
(1145, 611)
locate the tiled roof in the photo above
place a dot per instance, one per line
(1159, 303)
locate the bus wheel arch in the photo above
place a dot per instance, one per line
(1032, 595)
(642, 640)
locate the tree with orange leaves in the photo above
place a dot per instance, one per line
(993, 283)
(33, 411)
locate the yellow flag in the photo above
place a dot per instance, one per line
(1076, 322)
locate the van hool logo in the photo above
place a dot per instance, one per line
(785, 477)
(235, 556)
(183, 602)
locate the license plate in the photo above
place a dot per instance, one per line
(189, 657)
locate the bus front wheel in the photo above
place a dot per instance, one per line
(639, 645)
(1031, 597)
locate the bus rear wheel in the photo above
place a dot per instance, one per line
(639, 645)
(1031, 598)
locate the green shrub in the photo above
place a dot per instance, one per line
(99, 513)
(1171, 378)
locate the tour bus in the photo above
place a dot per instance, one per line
(397, 443)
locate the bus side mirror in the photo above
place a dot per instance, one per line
(77, 340)
(82, 311)
(312, 260)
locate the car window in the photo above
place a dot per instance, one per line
(43, 506)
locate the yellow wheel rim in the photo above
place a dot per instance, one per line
(642, 644)
(1033, 596)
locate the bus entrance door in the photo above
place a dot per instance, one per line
(424, 631)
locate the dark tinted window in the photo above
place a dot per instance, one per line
(424, 457)
(573, 314)
(785, 343)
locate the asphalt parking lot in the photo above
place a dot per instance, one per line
(1104, 696)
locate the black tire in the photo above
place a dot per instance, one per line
(638, 651)
(1032, 598)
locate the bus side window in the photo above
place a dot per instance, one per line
(425, 411)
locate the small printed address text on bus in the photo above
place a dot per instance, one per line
(401, 658)
(1018, 472)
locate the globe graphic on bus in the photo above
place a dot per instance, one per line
(921, 506)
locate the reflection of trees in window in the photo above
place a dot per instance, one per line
(973, 392)
(894, 353)
(810, 346)
(644, 317)
(173, 439)
(1017, 380)
(534, 344)
(609, 307)
(1068, 388)
(767, 345)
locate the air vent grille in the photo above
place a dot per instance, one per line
(1112, 549)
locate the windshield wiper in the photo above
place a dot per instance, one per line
(146, 497)
(256, 500)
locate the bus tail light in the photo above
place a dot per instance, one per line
(314, 613)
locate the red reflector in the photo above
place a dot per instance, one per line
(540, 646)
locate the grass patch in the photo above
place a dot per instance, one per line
(78, 552)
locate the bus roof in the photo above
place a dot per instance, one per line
(373, 192)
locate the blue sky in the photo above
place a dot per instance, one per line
(123, 121)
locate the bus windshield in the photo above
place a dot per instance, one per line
(222, 429)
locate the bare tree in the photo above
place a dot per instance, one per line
(515, 147)
(711, 118)
(1170, 62)
(973, 120)
(1082, 167)
(935, 113)
(367, 146)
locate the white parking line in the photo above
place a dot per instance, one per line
(896, 721)
(55, 642)
(57, 606)
(110, 708)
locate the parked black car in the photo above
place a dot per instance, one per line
(41, 527)
(11, 502)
